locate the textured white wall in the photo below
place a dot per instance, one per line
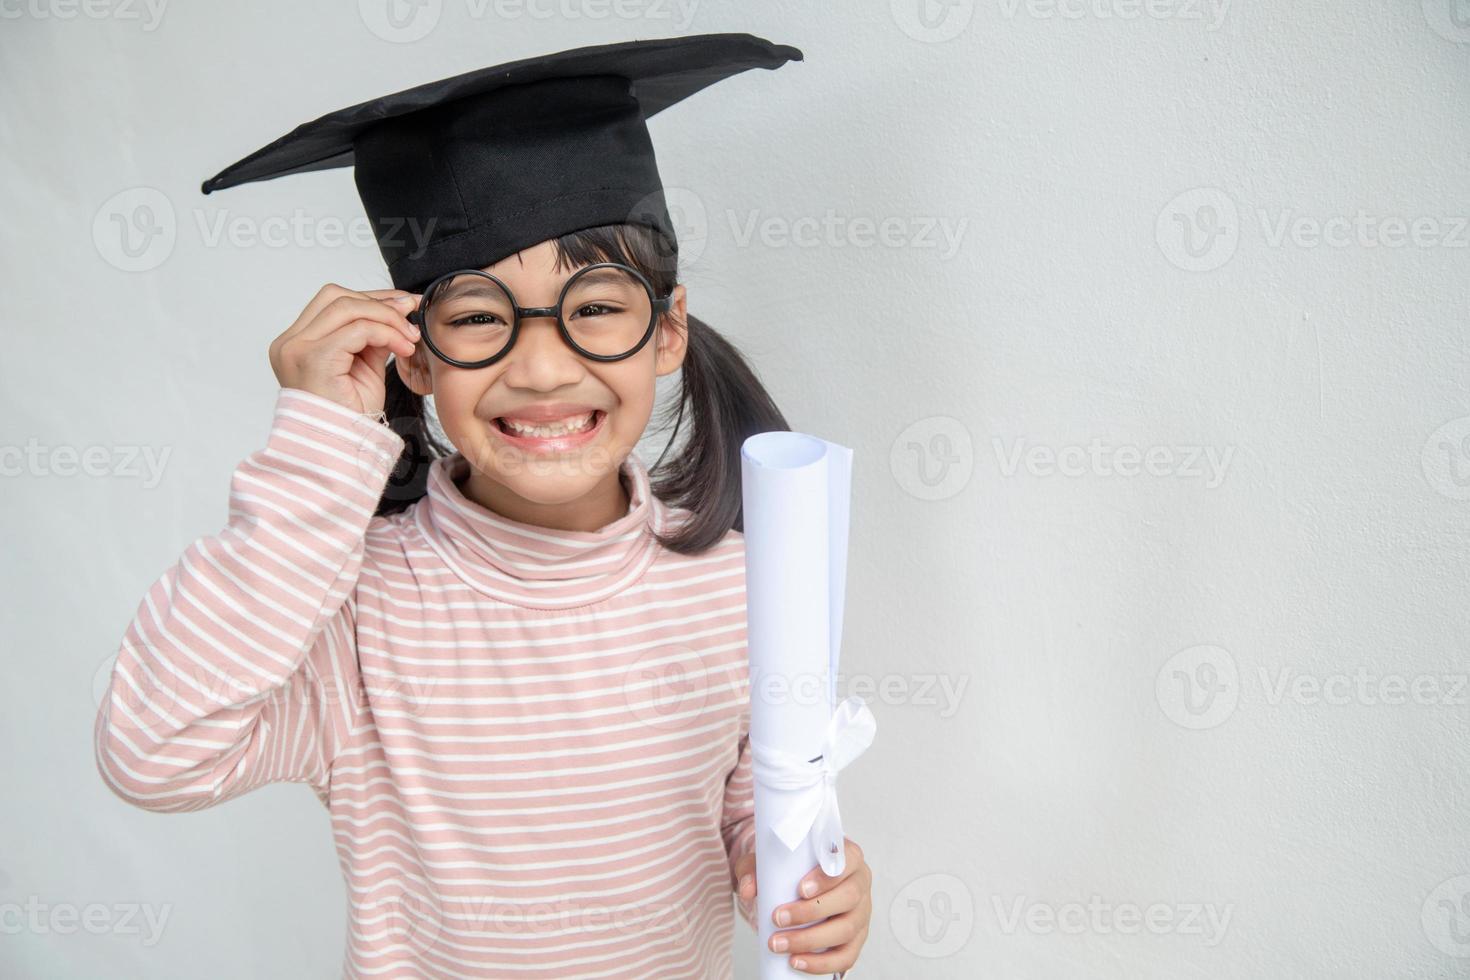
(1145, 319)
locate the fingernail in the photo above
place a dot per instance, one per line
(783, 918)
(808, 888)
(744, 880)
(798, 963)
(779, 944)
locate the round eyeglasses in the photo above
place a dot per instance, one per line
(605, 312)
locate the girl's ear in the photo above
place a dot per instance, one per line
(673, 334)
(414, 372)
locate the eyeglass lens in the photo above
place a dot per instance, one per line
(606, 311)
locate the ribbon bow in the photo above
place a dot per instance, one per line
(814, 816)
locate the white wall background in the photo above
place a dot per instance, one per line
(1137, 717)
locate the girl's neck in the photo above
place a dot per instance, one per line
(599, 507)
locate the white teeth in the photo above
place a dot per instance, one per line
(552, 429)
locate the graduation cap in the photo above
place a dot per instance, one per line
(461, 172)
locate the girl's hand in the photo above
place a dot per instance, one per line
(338, 347)
(844, 904)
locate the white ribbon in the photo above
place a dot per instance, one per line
(814, 816)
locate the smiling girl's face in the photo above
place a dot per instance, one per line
(570, 482)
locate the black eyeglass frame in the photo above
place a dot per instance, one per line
(659, 305)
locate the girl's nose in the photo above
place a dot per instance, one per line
(540, 358)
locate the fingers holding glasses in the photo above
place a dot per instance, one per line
(339, 346)
(347, 305)
(331, 291)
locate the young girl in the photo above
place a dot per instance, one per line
(518, 679)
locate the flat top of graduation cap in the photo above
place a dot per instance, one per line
(463, 171)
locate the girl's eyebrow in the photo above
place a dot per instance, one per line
(470, 286)
(475, 285)
(600, 276)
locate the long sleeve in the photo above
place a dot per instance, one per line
(239, 665)
(737, 825)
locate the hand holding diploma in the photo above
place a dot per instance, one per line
(795, 496)
(841, 907)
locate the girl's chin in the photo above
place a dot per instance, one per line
(548, 481)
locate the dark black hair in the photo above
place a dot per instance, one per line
(718, 390)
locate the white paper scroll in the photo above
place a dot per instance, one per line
(796, 491)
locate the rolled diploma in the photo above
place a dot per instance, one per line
(796, 493)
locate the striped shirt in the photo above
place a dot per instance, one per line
(532, 742)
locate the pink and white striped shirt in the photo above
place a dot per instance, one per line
(532, 742)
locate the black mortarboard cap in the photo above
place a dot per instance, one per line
(461, 172)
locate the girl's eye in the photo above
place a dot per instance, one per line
(594, 309)
(476, 320)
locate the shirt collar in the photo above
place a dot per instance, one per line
(533, 566)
